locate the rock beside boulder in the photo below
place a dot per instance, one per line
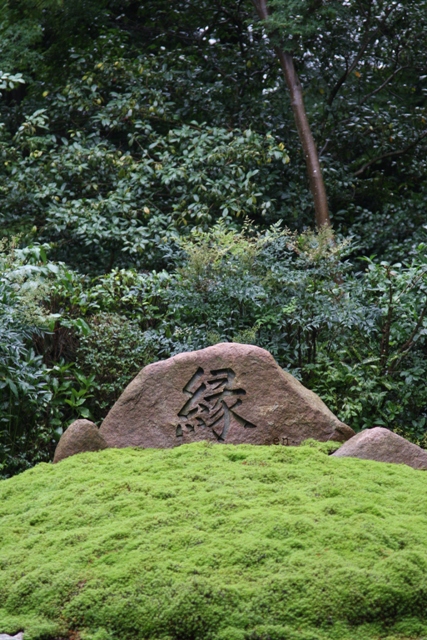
(232, 393)
(384, 446)
(5, 636)
(81, 435)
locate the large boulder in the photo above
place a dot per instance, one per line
(230, 392)
(81, 435)
(384, 446)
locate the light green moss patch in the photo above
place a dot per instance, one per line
(217, 542)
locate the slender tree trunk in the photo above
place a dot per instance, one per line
(317, 186)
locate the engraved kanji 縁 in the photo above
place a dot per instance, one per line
(213, 404)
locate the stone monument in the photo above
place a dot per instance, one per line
(228, 393)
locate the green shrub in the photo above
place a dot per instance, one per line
(39, 391)
(113, 352)
(24, 393)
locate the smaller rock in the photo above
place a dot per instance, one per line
(81, 435)
(384, 446)
(5, 636)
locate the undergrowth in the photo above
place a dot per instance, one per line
(214, 542)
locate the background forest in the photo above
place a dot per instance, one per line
(154, 199)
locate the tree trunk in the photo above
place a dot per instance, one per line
(317, 186)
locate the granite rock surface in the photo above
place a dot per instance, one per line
(232, 393)
(384, 446)
(81, 435)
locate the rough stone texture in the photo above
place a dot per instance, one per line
(81, 435)
(5, 636)
(384, 446)
(230, 392)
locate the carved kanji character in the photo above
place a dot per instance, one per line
(213, 400)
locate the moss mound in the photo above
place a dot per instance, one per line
(215, 542)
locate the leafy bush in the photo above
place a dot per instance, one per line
(128, 177)
(39, 391)
(111, 353)
(23, 376)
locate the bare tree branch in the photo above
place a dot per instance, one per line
(366, 42)
(407, 346)
(349, 69)
(390, 154)
(384, 84)
(410, 342)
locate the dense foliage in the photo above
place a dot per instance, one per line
(356, 338)
(224, 543)
(148, 155)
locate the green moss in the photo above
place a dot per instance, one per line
(216, 542)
